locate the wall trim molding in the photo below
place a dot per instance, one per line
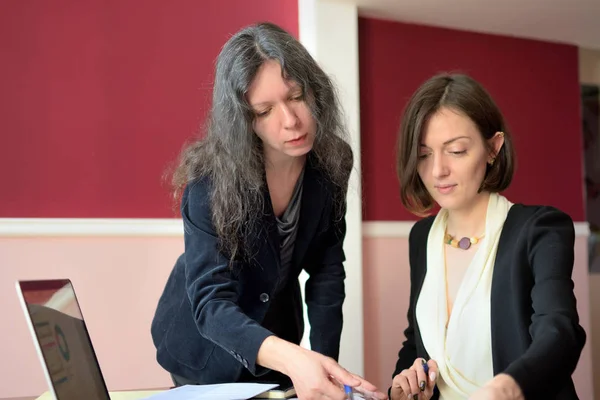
(93, 227)
(166, 227)
(390, 229)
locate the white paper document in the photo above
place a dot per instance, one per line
(225, 391)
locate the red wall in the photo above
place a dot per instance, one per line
(98, 96)
(535, 84)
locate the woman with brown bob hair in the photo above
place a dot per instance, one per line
(492, 313)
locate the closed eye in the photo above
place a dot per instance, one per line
(262, 113)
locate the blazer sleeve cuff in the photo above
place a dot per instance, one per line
(248, 354)
(519, 372)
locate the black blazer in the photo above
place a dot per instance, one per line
(207, 326)
(536, 336)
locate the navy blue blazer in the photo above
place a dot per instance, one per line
(536, 336)
(207, 326)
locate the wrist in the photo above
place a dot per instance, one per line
(508, 385)
(275, 353)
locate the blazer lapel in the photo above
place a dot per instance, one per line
(419, 247)
(311, 210)
(270, 224)
(418, 285)
(501, 285)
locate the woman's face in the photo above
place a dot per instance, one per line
(283, 120)
(453, 158)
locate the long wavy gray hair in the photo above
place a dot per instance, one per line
(231, 154)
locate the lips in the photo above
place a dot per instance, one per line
(299, 138)
(445, 189)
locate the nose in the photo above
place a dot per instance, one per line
(289, 117)
(440, 167)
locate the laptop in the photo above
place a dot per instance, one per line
(62, 340)
(68, 358)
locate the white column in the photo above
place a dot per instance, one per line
(329, 30)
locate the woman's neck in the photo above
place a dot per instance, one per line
(284, 167)
(470, 220)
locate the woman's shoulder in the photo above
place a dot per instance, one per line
(420, 229)
(314, 172)
(538, 224)
(197, 193)
(527, 214)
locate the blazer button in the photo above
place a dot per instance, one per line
(264, 297)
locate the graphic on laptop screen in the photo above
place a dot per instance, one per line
(63, 340)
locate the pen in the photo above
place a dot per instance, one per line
(348, 391)
(426, 370)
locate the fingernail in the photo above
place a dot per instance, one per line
(422, 386)
(432, 376)
(423, 361)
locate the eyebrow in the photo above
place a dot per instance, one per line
(450, 140)
(291, 90)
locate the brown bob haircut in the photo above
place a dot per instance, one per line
(462, 94)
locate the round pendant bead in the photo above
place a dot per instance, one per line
(464, 243)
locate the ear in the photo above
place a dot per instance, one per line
(495, 144)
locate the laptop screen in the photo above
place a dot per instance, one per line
(63, 340)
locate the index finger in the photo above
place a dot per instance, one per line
(365, 385)
(341, 374)
(433, 371)
(421, 368)
(368, 390)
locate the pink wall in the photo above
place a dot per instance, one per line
(387, 273)
(118, 282)
(385, 262)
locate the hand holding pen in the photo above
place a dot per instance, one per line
(348, 392)
(417, 382)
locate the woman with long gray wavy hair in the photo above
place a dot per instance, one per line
(263, 197)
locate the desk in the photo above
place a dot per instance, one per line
(35, 397)
(19, 398)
